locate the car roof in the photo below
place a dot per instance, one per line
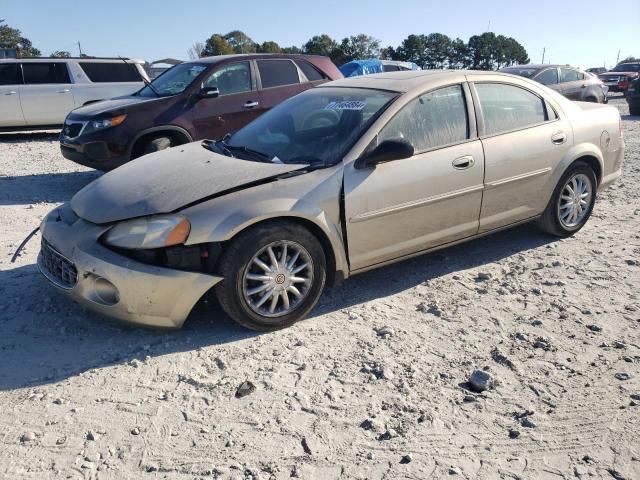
(406, 81)
(72, 59)
(252, 56)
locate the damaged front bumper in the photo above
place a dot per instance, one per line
(75, 262)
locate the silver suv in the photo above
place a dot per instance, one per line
(40, 92)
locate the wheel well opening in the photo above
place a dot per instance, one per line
(332, 277)
(594, 164)
(176, 137)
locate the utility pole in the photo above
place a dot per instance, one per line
(618, 57)
(543, 50)
(79, 48)
(489, 26)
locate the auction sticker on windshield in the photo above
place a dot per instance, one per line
(346, 105)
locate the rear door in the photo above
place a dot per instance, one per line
(523, 139)
(572, 82)
(237, 104)
(10, 82)
(279, 79)
(46, 95)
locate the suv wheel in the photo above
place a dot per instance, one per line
(157, 144)
(273, 275)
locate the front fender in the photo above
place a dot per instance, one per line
(312, 197)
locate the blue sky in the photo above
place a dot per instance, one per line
(583, 33)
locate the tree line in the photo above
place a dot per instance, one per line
(487, 51)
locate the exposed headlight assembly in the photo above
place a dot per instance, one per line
(149, 232)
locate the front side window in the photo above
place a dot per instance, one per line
(548, 77)
(235, 78)
(507, 107)
(174, 81)
(111, 72)
(316, 127)
(41, 73)
(9, 74)
(569, 75)
(432, 120)
(276, 73)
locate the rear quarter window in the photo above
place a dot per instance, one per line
(111, 72)
(311, 72)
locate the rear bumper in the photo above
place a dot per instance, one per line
(114, 285)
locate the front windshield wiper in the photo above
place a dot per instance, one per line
(254, 153)
(144, 80)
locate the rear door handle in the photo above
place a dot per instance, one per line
(464, 162)
(64, 90)
(558, 138)
(12, 92)
(250, 104)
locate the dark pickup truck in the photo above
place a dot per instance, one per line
(620, 77)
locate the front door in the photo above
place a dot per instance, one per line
(572, 83)
(237, 104)
(523, 138)
(279, 80)
(406, 206)
(10, 109)
(46, 95)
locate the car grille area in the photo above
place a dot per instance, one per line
(57, 268)
(72, 130)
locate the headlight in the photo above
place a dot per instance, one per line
(104, 123)
(149, 232)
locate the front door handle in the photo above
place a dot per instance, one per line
(250, 104)
(558, 138)
(12, 92)
(64, 90)
(464, 162)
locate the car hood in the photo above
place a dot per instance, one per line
(613, 74)
(168, 180)
(116, 105)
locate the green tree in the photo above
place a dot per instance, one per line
(320, 45)
(388, 53)
(459, 57)
(240, 42)
(412, 49)
(438, 50)
(482, 51)
(12, 38)
(60, 54)
(269, 47)
(359, 46)
(216, 45)
(629, 59)
(292, 49)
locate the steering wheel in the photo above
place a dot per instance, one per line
(321, 118)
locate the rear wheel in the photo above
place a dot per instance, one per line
(634, 108)
(273, 275)
(571, 203)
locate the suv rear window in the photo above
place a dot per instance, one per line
(275, 73)
(111, 72)
(41, 72)
(9, 74)
(311, 72)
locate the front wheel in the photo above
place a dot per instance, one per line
(273, 275)
(571, 203)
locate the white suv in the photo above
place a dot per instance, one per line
(40, 92)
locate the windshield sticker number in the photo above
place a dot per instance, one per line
(346, 105)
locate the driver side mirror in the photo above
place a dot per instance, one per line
(387, 151)
(208, 92)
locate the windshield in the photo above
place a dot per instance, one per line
(316, 127)
(521, 72)
(627, 67)
(174, 81)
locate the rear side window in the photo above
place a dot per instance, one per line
(507, 107)
(569, 75)
(275, 73)
(548, 77)
(111, 72)
(9, 74)
(311, 72)
(40, 72)
(390, 68)
(432, 120)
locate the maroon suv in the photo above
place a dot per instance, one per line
(205, 98)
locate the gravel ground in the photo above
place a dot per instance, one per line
(372, 386)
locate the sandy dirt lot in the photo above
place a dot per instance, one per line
(371, 386)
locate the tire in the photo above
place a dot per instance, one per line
(554, 219)
(591, 99)
(240, 276)
(634, 108)
(157, 144)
